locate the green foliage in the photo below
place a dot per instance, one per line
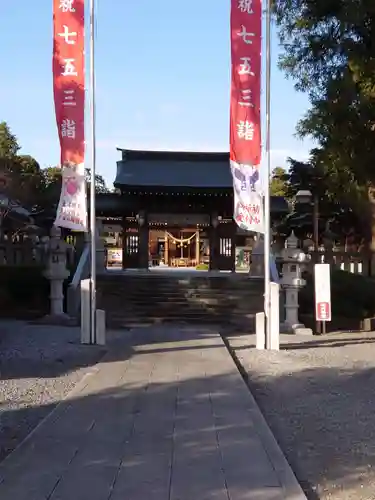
(24, 292)
(202, 267)
(9, 146)
(328, 49)
(353, 296)
(279, 182)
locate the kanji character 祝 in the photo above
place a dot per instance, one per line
(246, 98)
(245, 130)
(67, 6)
(69, 68)
(246, 37)
(246, 6)
(245, 67)
(69, 98)
(67, 35)
(68, 128)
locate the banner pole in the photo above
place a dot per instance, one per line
(267, 208)
(93, 173)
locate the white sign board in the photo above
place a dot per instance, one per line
(322, 278)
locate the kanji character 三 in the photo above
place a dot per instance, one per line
(67, 6)
(246, 6)
(246, 98)
(245, 130)
(69, 98)
(68, 128)
(246, 37)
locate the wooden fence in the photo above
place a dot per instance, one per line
(28, 252)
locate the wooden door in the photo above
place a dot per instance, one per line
(130, 248)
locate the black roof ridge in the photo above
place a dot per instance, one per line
(139, 154)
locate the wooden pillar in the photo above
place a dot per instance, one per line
(197, 248)
(143, 241)
(166, 249)
(214, 243)
(233, 235)
(124, 241)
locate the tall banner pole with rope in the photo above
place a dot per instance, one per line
(93, 174)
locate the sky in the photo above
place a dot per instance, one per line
(162, 73)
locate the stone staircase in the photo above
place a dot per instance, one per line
(194, 298)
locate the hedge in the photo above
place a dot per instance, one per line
(352, 296)
(24, 292)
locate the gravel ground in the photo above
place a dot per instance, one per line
(39, 365)
(318, 396)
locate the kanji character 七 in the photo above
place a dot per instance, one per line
(67, 35)
(245, 35)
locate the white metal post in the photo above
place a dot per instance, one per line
(267, 215)
(93, 172)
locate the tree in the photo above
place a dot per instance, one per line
(100, 185)
(328, 51)
(9, 146)
(21, 174)
(279, 182)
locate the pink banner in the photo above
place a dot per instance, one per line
(246, 41)
(69, 95)
(245, 118)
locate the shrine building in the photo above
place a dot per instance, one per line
(175, 209)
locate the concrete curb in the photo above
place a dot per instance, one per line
(288, 481)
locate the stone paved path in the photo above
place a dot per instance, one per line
(165, 416)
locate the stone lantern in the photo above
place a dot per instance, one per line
(294, 261)
(56, 273)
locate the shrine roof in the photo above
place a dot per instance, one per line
(173, 169)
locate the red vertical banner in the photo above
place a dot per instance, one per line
(245, 116)
(69, 97)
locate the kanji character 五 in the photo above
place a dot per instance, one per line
(246, 6)
(68, 128)
(245, 67)
(246, 37)
(68, 35)
(245, 130)
(67, 6)
(246, 98)
(69, 68)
